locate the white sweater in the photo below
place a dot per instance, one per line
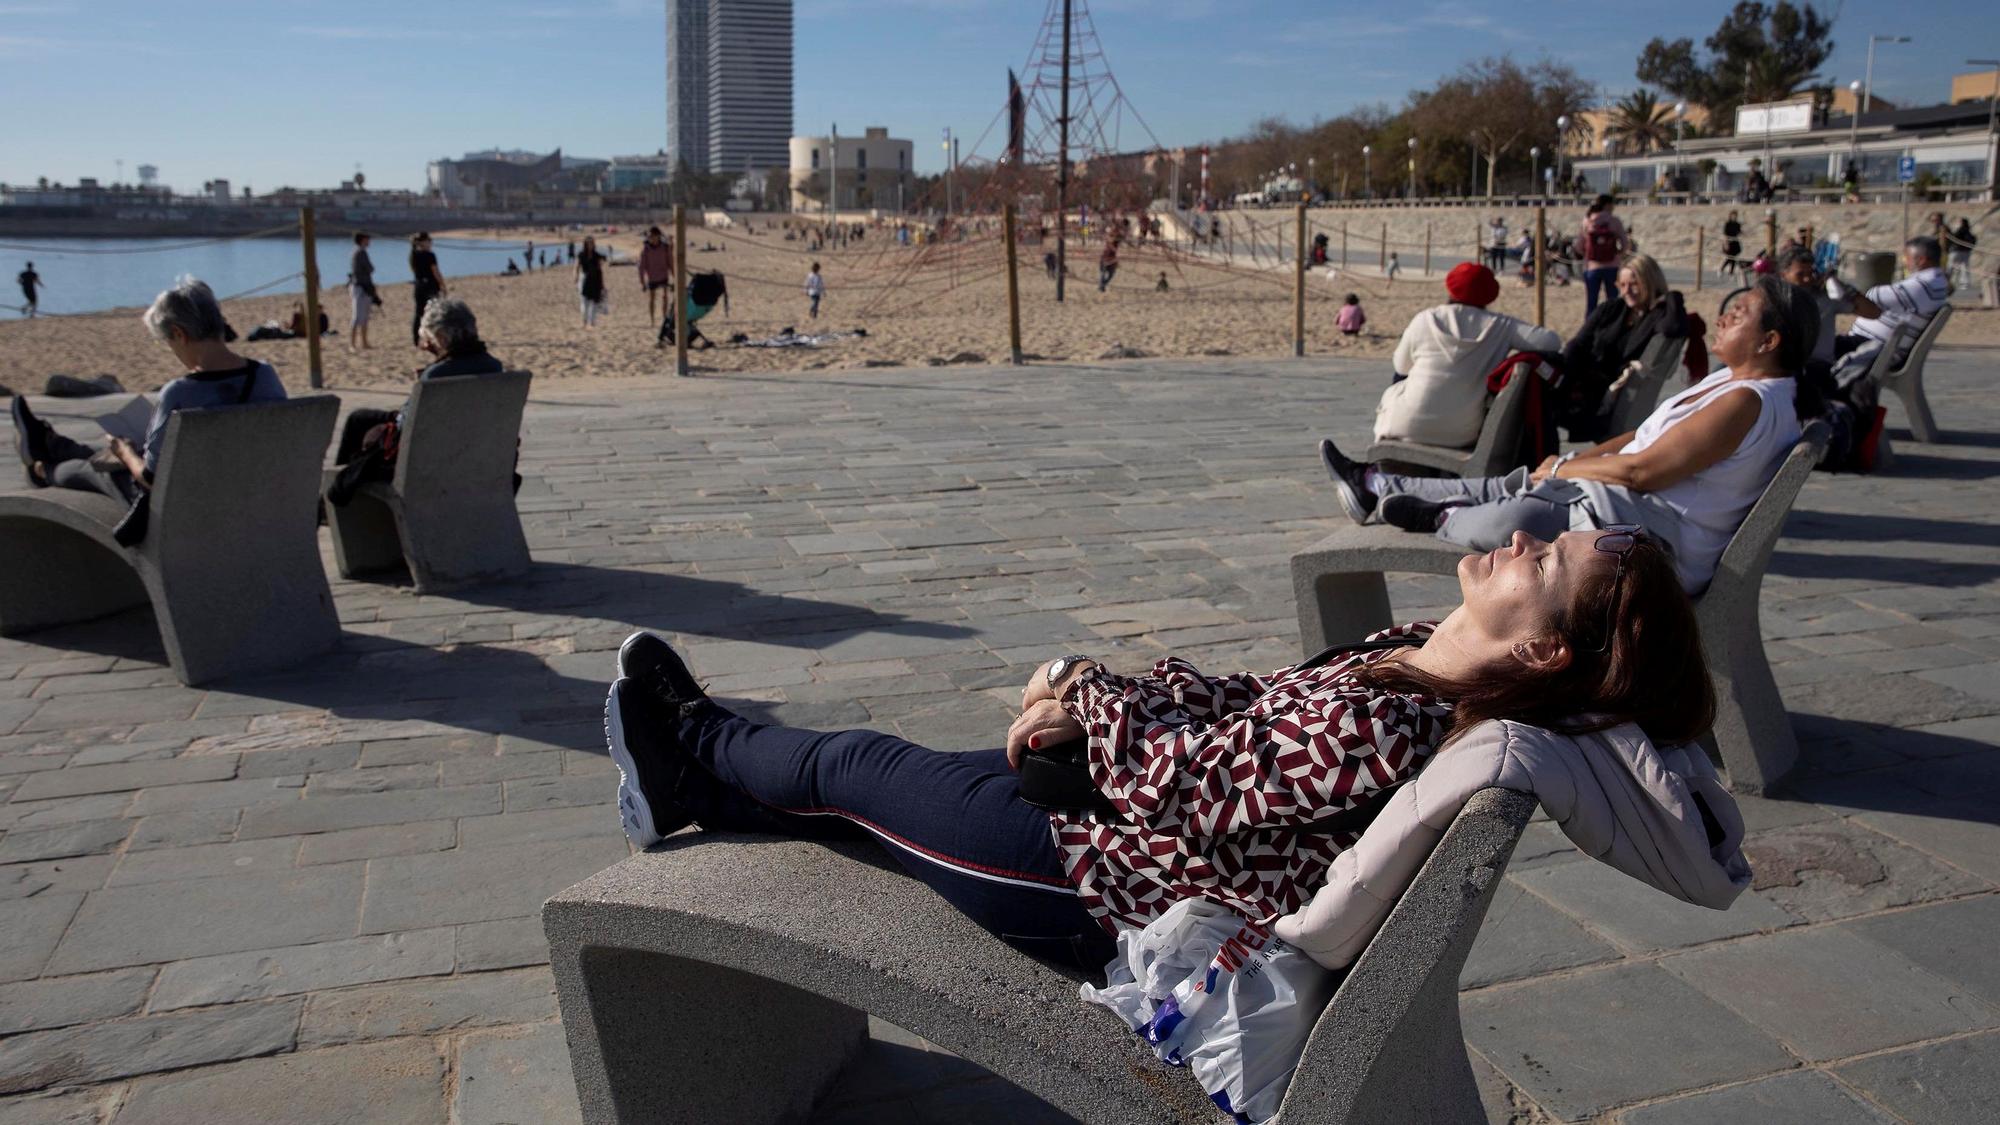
(1447, 352)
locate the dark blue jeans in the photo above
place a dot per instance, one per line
(954, 821)
(1598, 280)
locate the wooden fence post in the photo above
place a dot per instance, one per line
(1700, 254)
(1013, 290)
(309, 239)
(1541, 266)
(681, 331)
(1299, 287)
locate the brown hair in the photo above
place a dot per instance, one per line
(1650, 670)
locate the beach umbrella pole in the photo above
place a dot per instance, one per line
(311, 247)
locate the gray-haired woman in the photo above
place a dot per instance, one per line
(447, 329)
(188, 320)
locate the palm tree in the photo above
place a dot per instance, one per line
(1641, 122)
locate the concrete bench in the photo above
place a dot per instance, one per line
(1494, 452)
(1906, 380)
(1658, 361)
(1341, 592)
(449, 513)
(725, 978)
(230, 561)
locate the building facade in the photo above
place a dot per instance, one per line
(873, 170)
(729, 84)
(687, 84)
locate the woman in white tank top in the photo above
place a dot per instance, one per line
(1689, 473)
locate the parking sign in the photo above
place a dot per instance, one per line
(1906, 169)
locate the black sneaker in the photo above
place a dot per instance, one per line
(650, 662)
(652, 767)
(1350, 478)
(1412, 513)
(30, 437)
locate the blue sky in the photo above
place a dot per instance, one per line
(271, 92)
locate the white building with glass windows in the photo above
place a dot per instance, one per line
(1951, 145)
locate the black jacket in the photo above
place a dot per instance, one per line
(1599, 351)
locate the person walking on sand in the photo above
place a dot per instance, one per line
(1107, 264)
(528, 256)
(361, 294)
(1395, 267)
(656, 270)
(428, 283)
(1604, 243)
(590, 281)
(815, 289)
(1496, 245)
(31, 283)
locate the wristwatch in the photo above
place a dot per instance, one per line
(1061, 667)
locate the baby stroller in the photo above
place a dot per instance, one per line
(704, 292)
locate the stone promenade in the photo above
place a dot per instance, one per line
(311, 897)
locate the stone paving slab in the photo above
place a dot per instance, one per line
(338, 867)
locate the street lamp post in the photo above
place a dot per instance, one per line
(1367, 173)
(1534, 166)
(1413, 168)
(1611, 152)
(1854, 127)
(1472, 186)
(1868, 82)
(1562, 139)
(1680, 134)
(1312, 179)
(1992, 123)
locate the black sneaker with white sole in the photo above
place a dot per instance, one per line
(1350, 480)
(652, 766)
(649, 661)
(1412, 513)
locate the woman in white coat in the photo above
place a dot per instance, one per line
(1439, 396)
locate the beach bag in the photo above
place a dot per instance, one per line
(1220, 995)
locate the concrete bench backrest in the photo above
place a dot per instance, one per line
(1501, 431)
(1749, 550)
(459, 434)
(1388, 1046)
(233, 479)
(1914, 362)
(1659, 360)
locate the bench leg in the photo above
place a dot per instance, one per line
(1340, 607)
(1753, 732)
(465, 542)
(365, 540)
(51, 575)
(648, 1041)
(1917, 408)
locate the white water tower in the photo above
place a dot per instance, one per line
(148, 175)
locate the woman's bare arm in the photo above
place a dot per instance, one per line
(1708, 436)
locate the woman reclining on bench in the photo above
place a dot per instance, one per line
(187, 320)
(1689, 473)
(1212, 786)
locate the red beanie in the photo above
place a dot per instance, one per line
(1470, 283)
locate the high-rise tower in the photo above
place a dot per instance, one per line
(729, 84)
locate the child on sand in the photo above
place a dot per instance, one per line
(1395, 267)
(1350, 318)
(815, 289)
(1161, 286)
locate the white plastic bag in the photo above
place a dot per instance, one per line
(1221, 996)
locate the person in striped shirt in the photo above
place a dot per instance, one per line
(1909, 303)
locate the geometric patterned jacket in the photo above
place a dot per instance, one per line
(1210, 779)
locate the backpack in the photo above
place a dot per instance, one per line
(1600, 243)
(705, 289)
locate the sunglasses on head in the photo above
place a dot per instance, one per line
(1617, 541)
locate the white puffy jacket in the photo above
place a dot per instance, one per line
(1620, 799)
(1447, 352)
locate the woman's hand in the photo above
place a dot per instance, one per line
(1039, 689)
(1545, 470)
(1043, 723)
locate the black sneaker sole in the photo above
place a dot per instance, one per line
(1350, 500)
(635, 813)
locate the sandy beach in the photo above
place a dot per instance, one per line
(918, 305)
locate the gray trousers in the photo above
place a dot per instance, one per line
(1494, 508)
(69, 466)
